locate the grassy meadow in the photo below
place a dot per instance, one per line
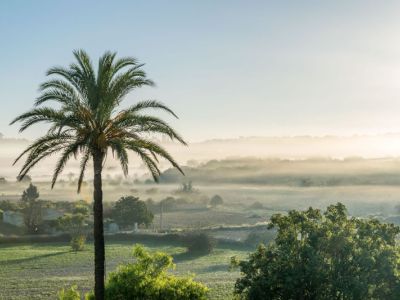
(38, 271)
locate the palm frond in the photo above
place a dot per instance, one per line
(47, 141)
(118, 148)
(148, 124)
(70, 76)
(84, 162)
(125, 62)
(38, 115)
(70, 150)
(150, 104)
(36, 156)
(154, 148)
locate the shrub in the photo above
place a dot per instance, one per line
(216, 200)
(259, 237)
(78, 243)
(199, 243)
(69, 294)
(147, 279)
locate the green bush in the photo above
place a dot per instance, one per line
(69, 294)
(199, 243)
(147, 279)
(259, 237)
(78, 243)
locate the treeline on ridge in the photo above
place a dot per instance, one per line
(301, 173)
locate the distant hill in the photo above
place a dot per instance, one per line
(298, 147)
(303, 173)
(292, 148)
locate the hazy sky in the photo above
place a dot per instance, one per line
(228, 68)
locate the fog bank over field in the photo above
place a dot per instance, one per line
(298, 147)
(293, 148)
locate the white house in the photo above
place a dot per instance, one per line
(17, 218)
(13, 218)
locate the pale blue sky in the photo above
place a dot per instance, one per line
(228, 68)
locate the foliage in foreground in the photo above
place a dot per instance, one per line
(69, 294)
(324, 256)
(147, 279)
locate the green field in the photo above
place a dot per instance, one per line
(38, 271)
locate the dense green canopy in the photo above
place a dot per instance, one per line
(324, 256)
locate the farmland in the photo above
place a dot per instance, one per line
(38, 271)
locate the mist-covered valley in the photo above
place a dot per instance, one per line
(280, 173)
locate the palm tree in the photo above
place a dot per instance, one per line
(88, 124)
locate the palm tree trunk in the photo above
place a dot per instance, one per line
(99, 251)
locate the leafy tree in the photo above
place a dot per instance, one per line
(152, 205)
(168, 204)
(130, 210)
(8, 205)
(187, 187)
(87, 123)
(73, 223)
(76, 225)
(216, 200)
(107, 209)
(31, 208)
(147, 279)
(81, 208)
(324, 256)
(30, 194)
